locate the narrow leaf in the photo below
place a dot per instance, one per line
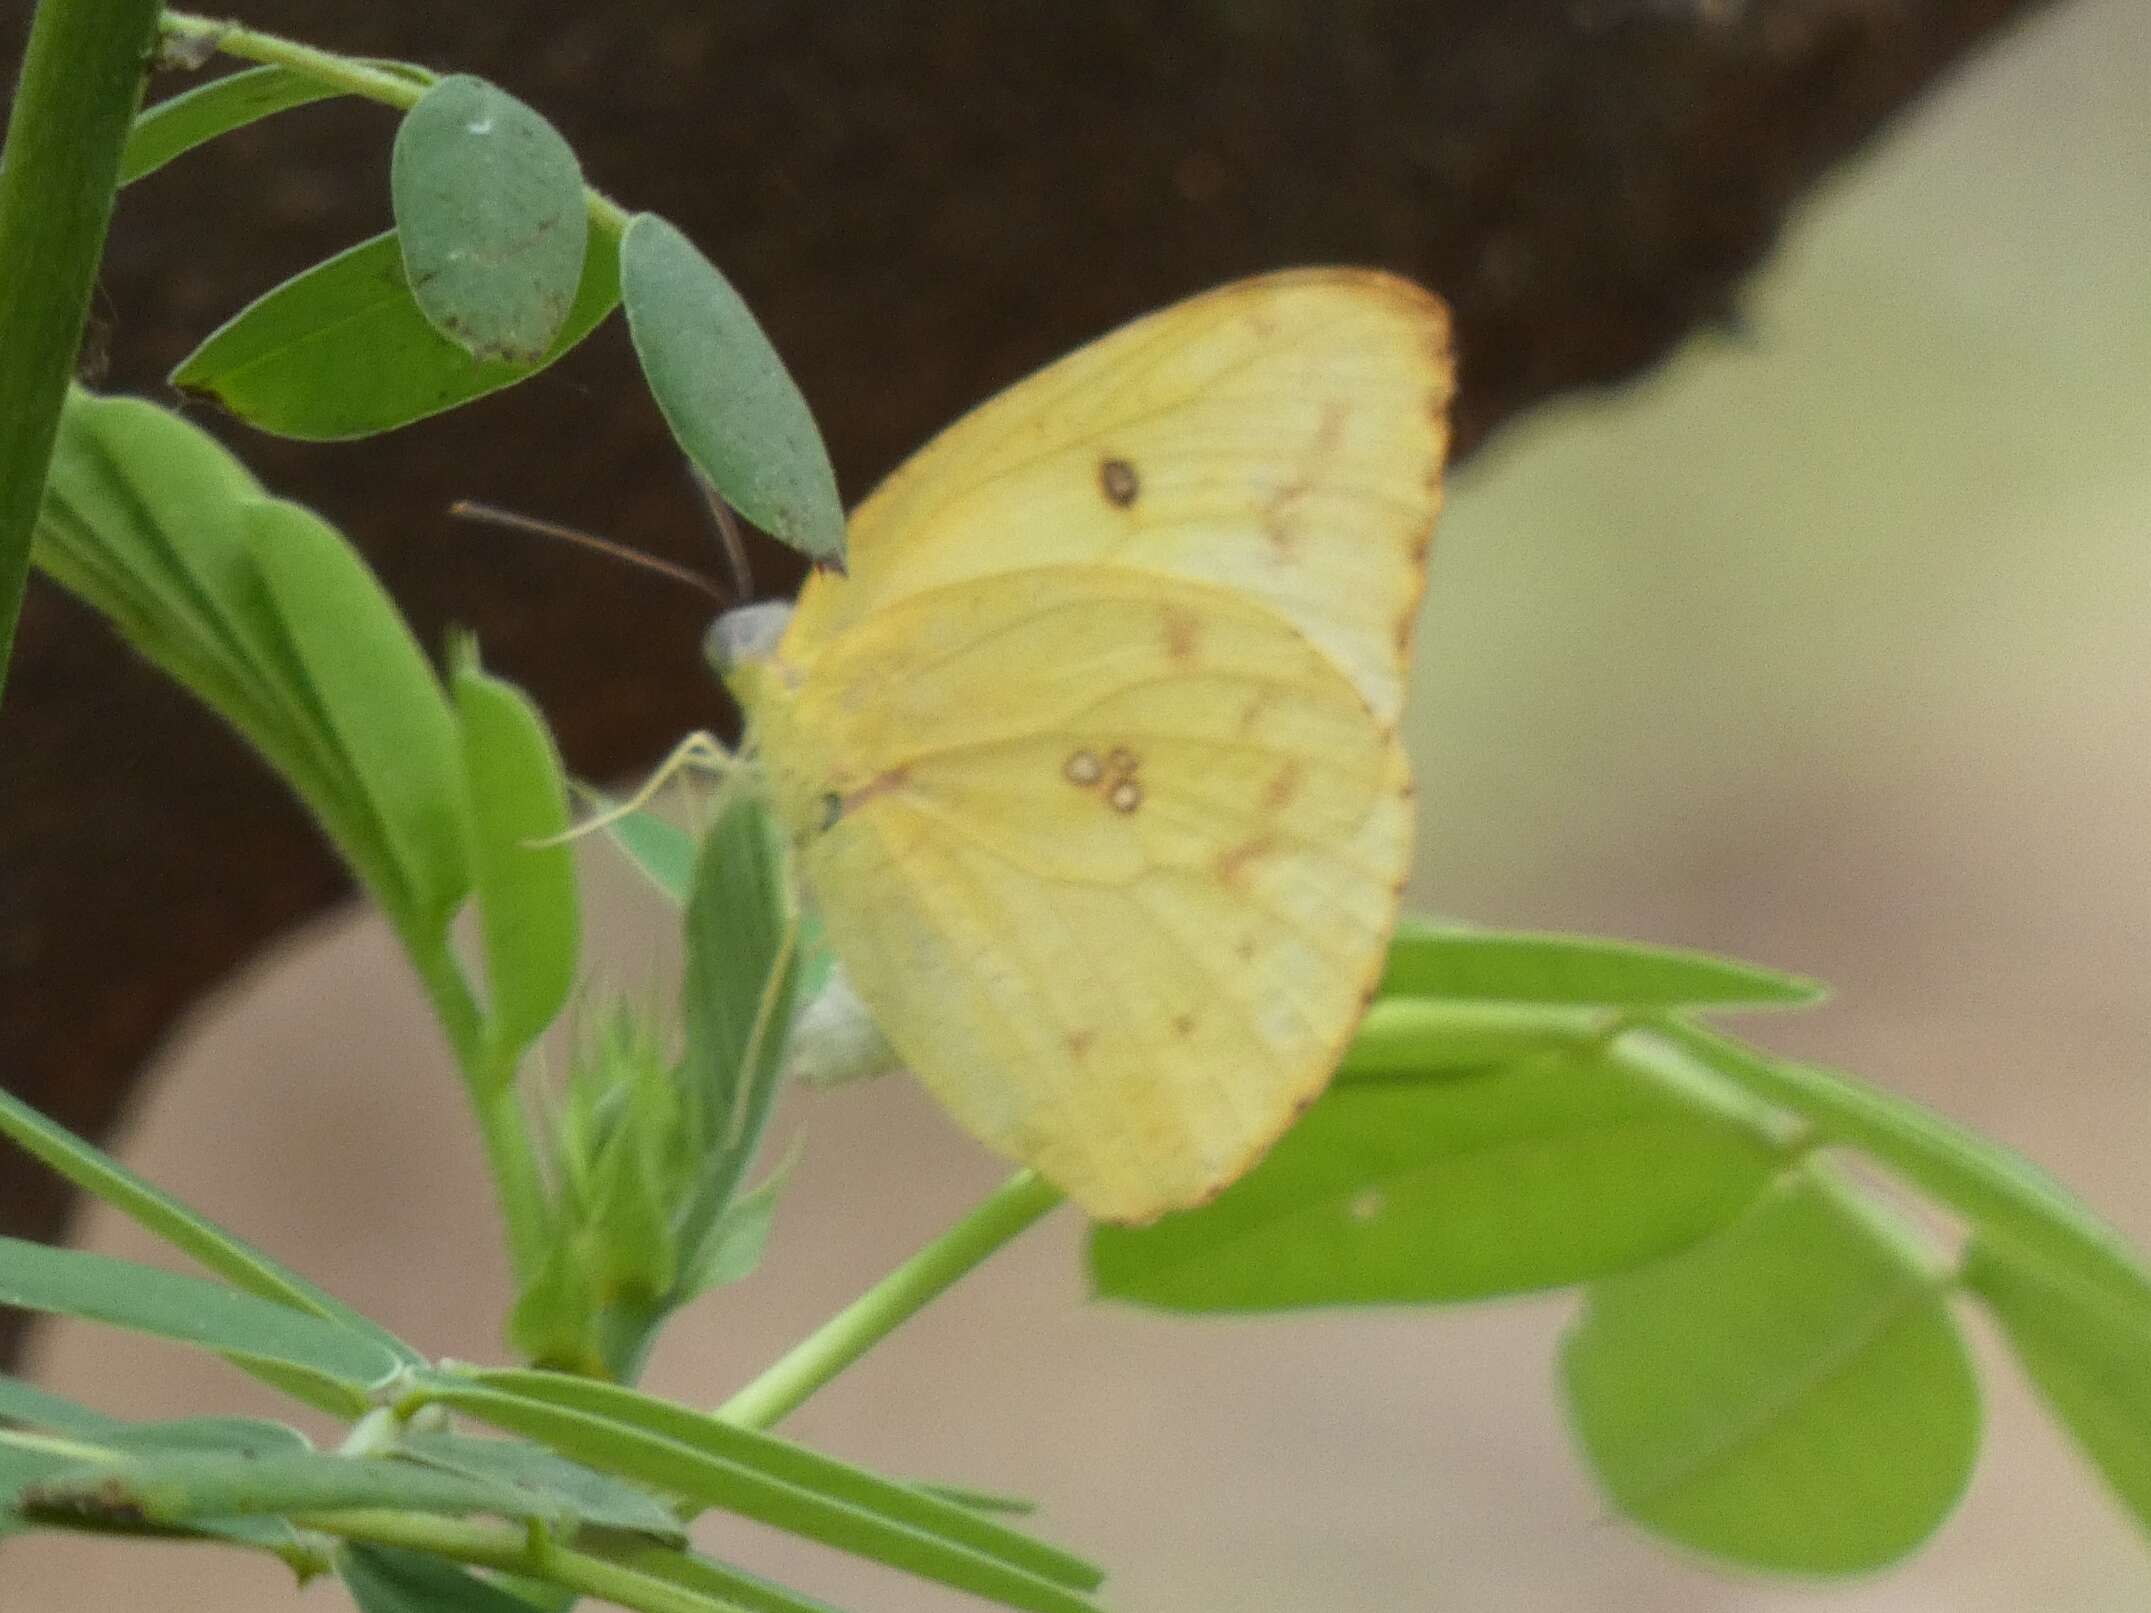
(732, 1588)
(2086, 1343)
(1544, 1172)
(188, 1487)
(98, 1288)
(343, 350)
(711, 1463)
(193, 1234)
(599, 1500)
(740, 987)
(382, 1579)
(489, 209)
(179, 123)
(528, 913)
(31, 1407)
(1433, 960)
(1791, 1394)
(725, 393)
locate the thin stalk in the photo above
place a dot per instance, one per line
(81, 81)
(1010, 1209)
(512, 1550)
(496, 1100)
(344, 73)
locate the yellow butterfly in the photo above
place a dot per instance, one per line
(1091, 760)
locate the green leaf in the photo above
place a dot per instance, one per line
(731, 1588)
(343, 350)
(1791, 1394)
(600, 1501)
(178, 124)
(2086, 1342)
(1998, 1191)
(32, 1407)
(725, 393)
(742, 976)
(246, 1437)
(661, 851)
(736, 1241)
(528, 913)
(378, 697)
(180, 1488)
(1544, 1172)
(1434, 960)
(713, 1463)
(382, 1579)
(121, 1293)
(193, 1234)
(489, 208)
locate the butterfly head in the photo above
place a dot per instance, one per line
(746, 635)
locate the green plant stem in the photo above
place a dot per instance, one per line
(511, 1550)
(1011, 1208)
(81, 81)
(503, 1128)
(340, 72)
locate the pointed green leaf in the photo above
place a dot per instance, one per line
(600, 1501)
(193, 1234)
(725, 393)
(382, 1579)
(378, 697)
(245, 1437)
(529, 918)
(1434, 960)
(179, 123)
(121, 1293)
(489, 208)
(736, 1240)
(730, 1588)
(343, 350)
(1541, 1173)
(31, 1407)
(1791, 1394)
(187, 1487)
(661, 851)
(2086, 1342)
(712, 1463)
(741, 983)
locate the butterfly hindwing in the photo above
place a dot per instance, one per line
(1111, 860)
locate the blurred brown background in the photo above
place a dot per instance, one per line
(1827, 646)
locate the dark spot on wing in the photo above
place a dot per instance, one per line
(1120, 483)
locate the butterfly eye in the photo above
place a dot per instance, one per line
(1118, 480)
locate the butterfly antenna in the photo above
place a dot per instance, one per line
(729, 536)
(493, 515)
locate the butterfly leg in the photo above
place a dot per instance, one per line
(700, 750)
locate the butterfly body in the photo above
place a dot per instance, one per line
(1091, 759)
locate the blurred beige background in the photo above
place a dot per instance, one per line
(1830, 646)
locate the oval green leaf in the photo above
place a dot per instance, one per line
(343, 350)
(1792, 1394)
(382, 1579)
(1546, 1172)
(489, 210)
(725, 393)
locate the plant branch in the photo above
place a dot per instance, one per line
(1011, 1208)
(512, 1550)
(81, 81)
(346, 73)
